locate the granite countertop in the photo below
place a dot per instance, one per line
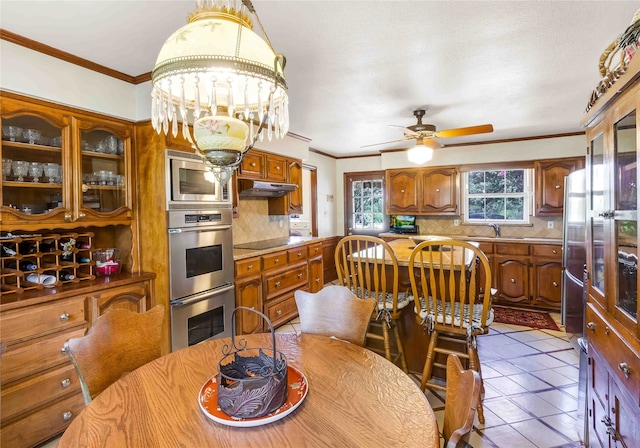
(487, 239)
(257, 248)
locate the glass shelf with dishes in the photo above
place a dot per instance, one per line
(32, 164)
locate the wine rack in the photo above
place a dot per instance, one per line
(29, 262)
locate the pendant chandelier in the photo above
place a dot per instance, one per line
(218, 75)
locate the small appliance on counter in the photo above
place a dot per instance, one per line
(403, 224)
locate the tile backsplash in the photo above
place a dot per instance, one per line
(255, 224)
(537, 229)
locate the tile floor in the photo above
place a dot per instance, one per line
(531, 388)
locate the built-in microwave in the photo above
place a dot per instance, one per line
(190, 185)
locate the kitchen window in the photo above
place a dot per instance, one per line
(364, 201)
(498, 196)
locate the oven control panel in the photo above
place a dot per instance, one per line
(205, 219)
(199, 218)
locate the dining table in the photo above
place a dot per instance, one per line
(354, 398)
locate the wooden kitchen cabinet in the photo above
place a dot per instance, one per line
(252, 166)
(403, 191)
(316, 268)
(440, 192)
(40, 389)
(291, 203)
(512, 264)
(248, 291)
(423, 191)
(546, 276)
(550, 176)
(85, 160)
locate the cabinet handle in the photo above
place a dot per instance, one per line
(64, 317)
(277, 260)
(252, 164)
(250, 266)
(437, 190)
(557, 187)
(278, 168)
(300, 275)
(606, 330)
(554, 251)
(67, 416)
(401, 191)
(317, 249)
(66, 382)
(513, 280)
(63, 350)
(277, 284)
(67, 216)
(555, 284)
(317, 280)
(624, 368)
(279, 312)
(591, 326)
(299, 254)
(81, 215)
(612, 433)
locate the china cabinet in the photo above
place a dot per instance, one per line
(612, 260)
(62, 168)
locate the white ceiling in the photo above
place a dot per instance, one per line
(355, 67)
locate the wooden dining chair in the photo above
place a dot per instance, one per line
(463, 397)
(452, 298)
(336, 312)
(368, 267)
(119, 342)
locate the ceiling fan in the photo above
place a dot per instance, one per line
(425, 134)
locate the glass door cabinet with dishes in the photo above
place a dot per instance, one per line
(612, 328)
(62, 169)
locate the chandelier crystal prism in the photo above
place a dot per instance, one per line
(219, 76)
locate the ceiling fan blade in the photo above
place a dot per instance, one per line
(385, 143)
(458, 132)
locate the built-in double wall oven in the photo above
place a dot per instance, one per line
(199, 215)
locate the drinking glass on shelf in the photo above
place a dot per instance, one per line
(51, 171)
(111, 144)
(20, 169)
(31, 136)
(35, 171)
(6, 168)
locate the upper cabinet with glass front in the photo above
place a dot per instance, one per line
(62, 169)
(612, 211)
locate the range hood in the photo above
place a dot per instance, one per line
(263, 189)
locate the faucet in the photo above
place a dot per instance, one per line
(495, 227)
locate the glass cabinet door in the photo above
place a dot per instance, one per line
(35, 178)
(625, 216)
(596, 222)
(104, 180)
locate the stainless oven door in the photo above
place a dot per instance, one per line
(200, 259)
(202, 317)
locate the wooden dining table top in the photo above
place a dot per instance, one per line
(403, 247)
(356, 398)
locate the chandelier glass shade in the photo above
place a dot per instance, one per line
(218, 75)
(420, 153)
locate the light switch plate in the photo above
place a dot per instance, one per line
(549, 224)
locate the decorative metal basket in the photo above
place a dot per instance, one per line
(252, 382)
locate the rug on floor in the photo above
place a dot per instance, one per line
(534, 319)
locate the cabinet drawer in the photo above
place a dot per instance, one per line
(314, 250)
(25, 323)
(511, 249)
(36, 355)
(547, 250)
(274, 260)
(285, 280)
(297, 254)
(276, 168)
(38, 389)
(251, 166)
(42, 425)
(247, 267)
(487, 248)
(282, 310)
(614, 350)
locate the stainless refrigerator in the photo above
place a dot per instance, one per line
(574, 252)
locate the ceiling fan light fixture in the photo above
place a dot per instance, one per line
(420, 153)
(218, 74)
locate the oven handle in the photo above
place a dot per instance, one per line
(198, 229)
(201, 296)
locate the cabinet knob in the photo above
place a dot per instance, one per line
(555, 284)
(82, 215)
(606, 330)
(279, 312)
(63, 350)
(250, 266)
(277, 260)
(299, 254)
(252, 164)
(277, 284)
(67, 216)
(278, 168)
(401, 191)
(317, 280)
(64, 317)
(554, 251)
(300, 275)
(591, 326)
(624, 368)
(437, 190)
(557, 187)
(513, 280)
(65, 382)
(67, 416)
